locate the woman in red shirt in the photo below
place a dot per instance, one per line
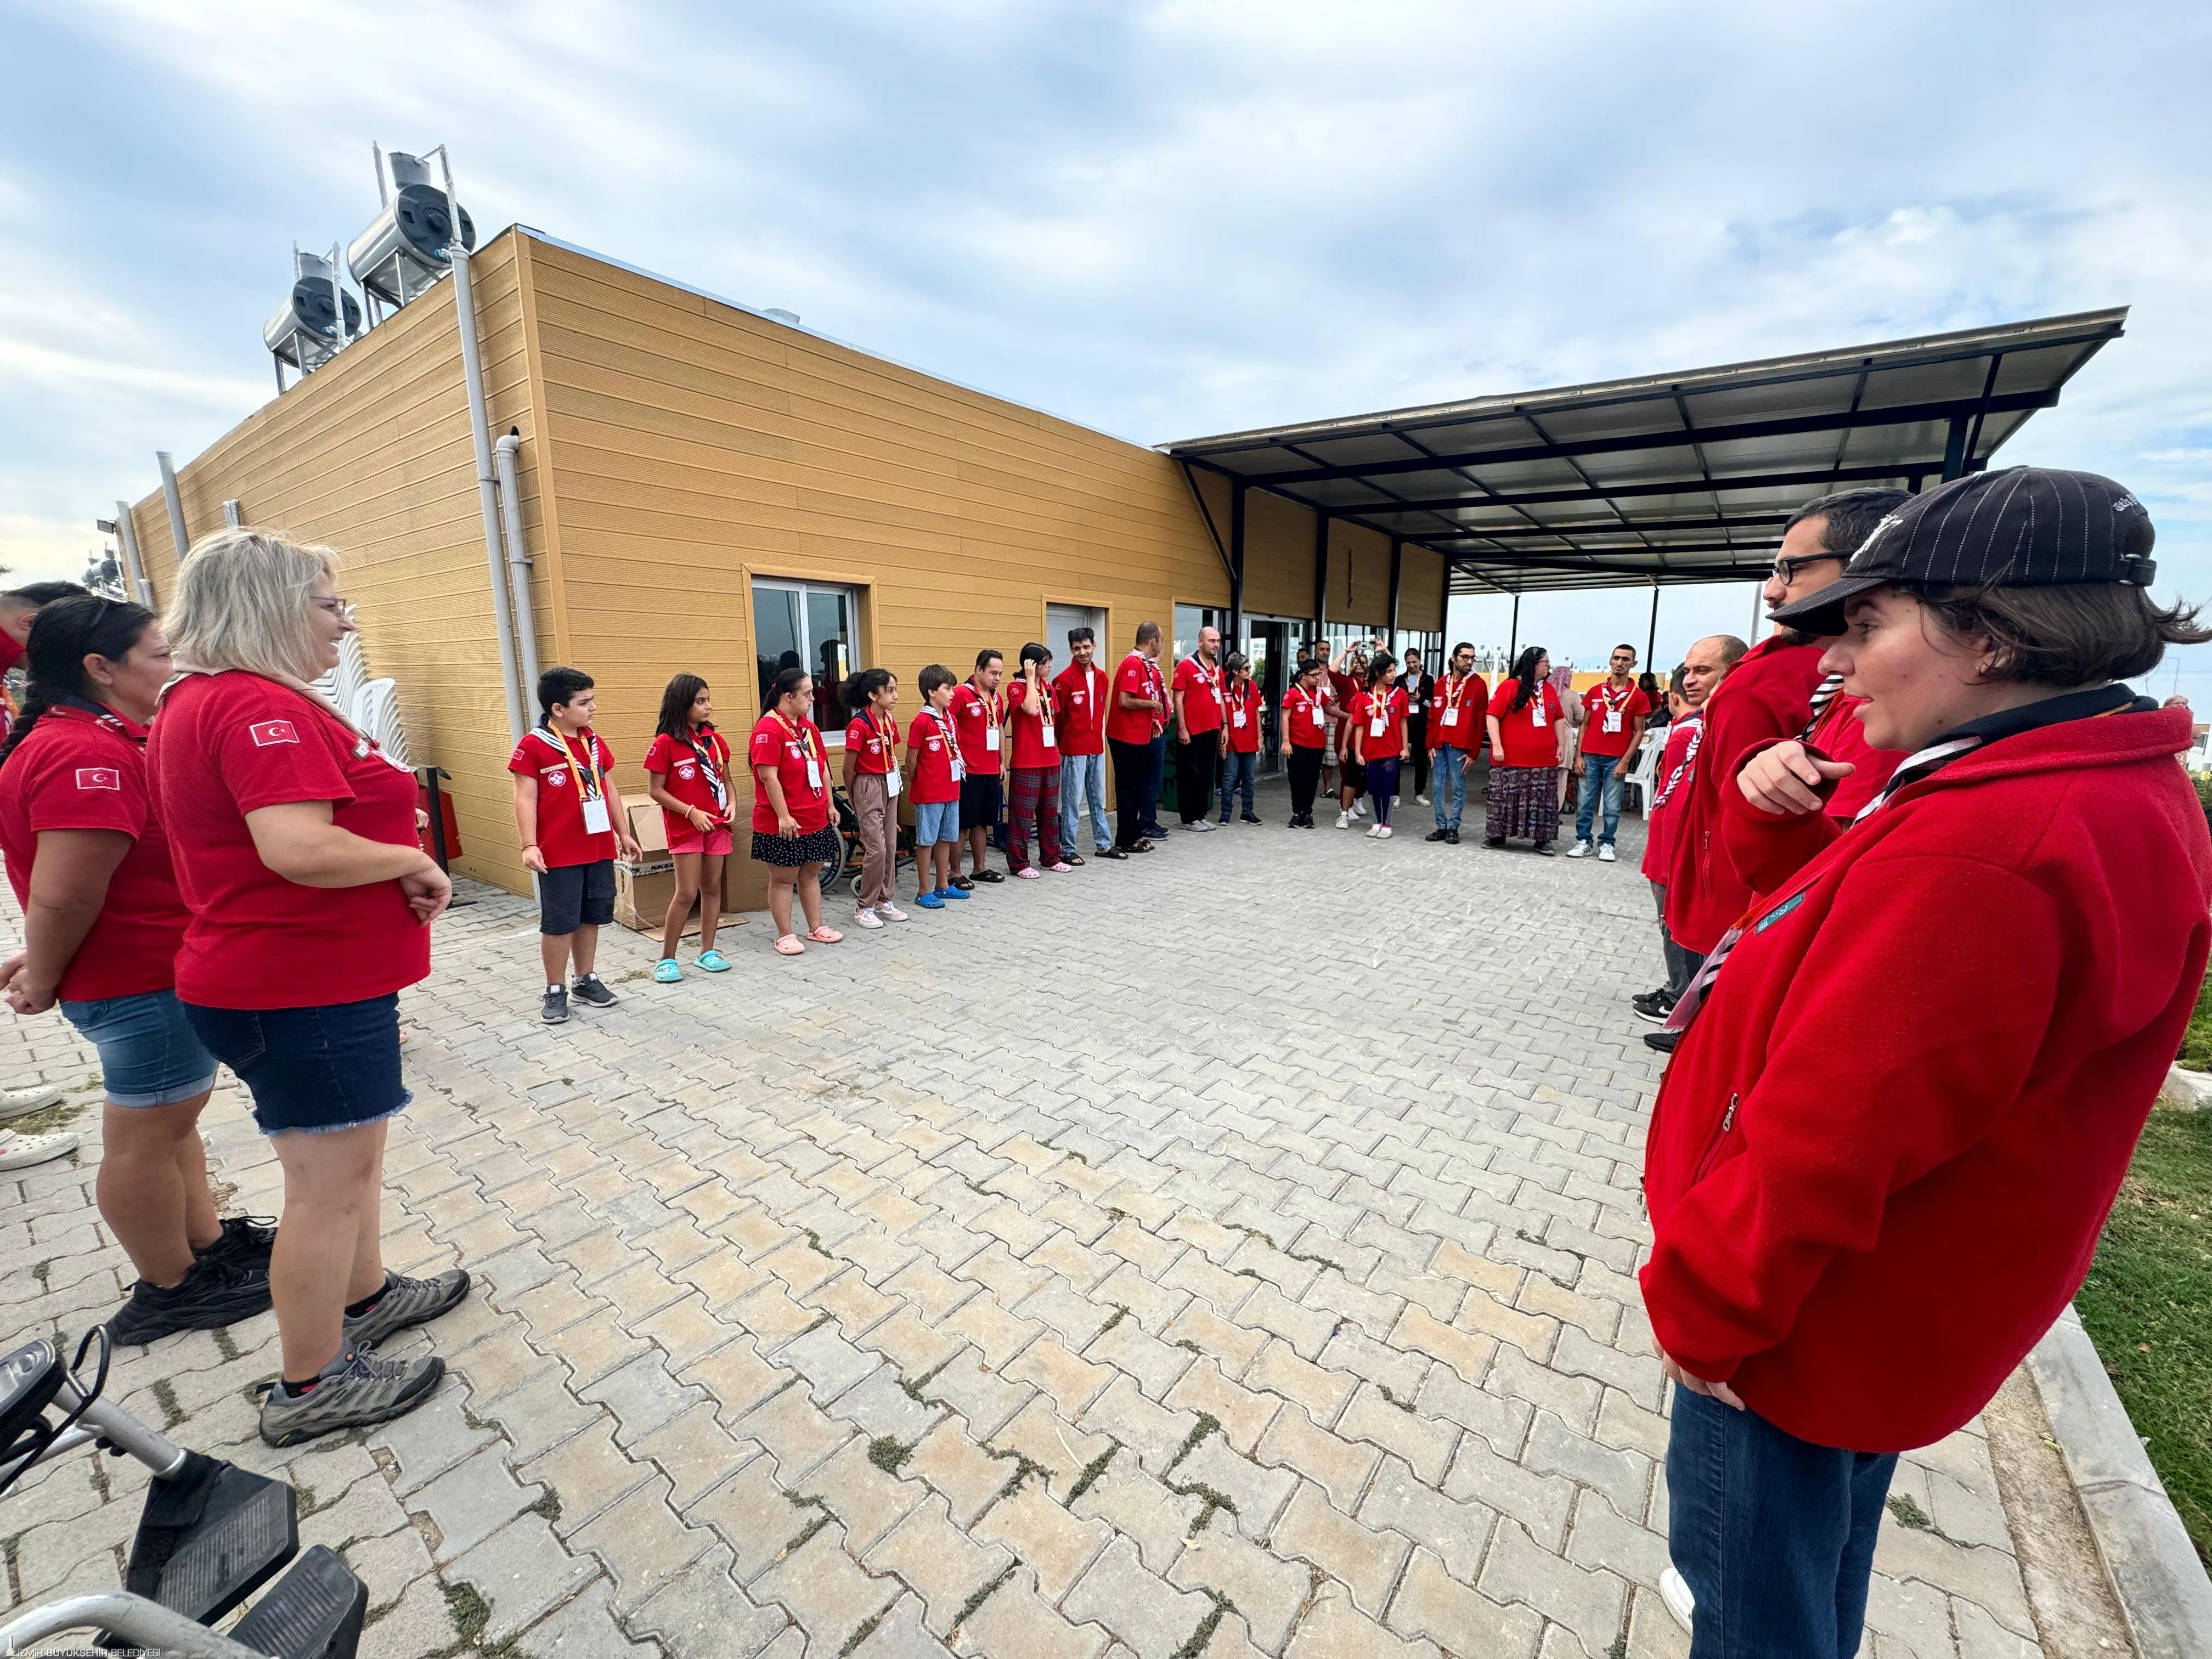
(871, 783)
(102, 922)
(311, 899)
(1378, 743)
(1304, 739)
(1527, 728)
(687, 772)
(1240, 733)
(792, 831)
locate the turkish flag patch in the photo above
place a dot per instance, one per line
(264, 733)
(98, 777)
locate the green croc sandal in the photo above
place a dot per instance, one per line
(668, 970)
(714, 962)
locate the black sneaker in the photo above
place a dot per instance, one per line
(211, 1295)
(406, 1302)
(353, 1391)
(245, 1243)
(1545, 850)
(590, 987)
(1654, 1006)
(555, 1011)
(1493, 841)
(1250, 817)
(1435, 835)
(1451, 837)
(1664, 1042)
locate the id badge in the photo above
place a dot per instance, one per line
(1240, 720)
(991, 738)
(1320, 719)
(1613, 719)
(813, 774)
(1451, 717)
(1050, 741)
(891, 783)
(1378, 725)
(597, 821)
(1538, 715)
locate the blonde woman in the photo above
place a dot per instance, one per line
(293, 839)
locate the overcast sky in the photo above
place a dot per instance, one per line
(1161, 220)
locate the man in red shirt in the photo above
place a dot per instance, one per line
(1134, 726)
(1612, 714)
(978, 715)
(1082, 692)
(1706, 665)
(1458, 708)
(1198, 697)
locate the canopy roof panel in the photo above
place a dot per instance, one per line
(1664, 478)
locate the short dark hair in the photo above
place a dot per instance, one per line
(31, 595)
(1623, 646)
(559, 685)
(1678, 682)
(1851, 516)
(1077, 635)
(2081, 634)
(937, 674)
(1147, 632)
(983, 658)
(1463, 646)
(1032, 653)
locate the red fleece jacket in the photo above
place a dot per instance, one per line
(1881, 1155)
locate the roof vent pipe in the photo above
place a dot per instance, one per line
(126, 536)
(518, 559)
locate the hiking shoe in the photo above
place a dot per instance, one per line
(406, 1302)
(22, 1102)
(22, 1152)
(555, 1011)
(353, 1391)
(211, 1295)
(1605, 853)
(590, 987)
(246, 1242)
(1581, 849)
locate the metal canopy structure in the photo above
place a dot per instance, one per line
(1665, 478)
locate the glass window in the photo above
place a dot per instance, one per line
(804, 625)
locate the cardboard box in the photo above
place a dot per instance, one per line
(644, 889)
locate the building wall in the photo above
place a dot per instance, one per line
(371, 455)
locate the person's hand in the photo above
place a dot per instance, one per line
(1575, 769)
(23, 996)
(787, 825)
(422, 820)
(1467, 760)
(1719, 1391)
(692, 815)
(533, 861)
(1785, 780)
(1404, 753)
(1496, 755)
(630, 851)
(428, 891)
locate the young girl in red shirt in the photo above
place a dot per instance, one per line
(1239, 736)
(687, 772)
(871, 783)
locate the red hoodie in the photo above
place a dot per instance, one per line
(1881, 1155)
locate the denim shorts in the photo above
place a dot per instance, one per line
(935, 821)
(573, 896)
(149, 1053)
(312, 1069)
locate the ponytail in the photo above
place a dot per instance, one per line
(860, 689)
(63, 634)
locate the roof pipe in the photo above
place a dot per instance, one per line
(465, 316)
(504, 454)
(126, 536)
(176, 504)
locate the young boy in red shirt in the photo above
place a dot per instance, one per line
(934, 770)
(979, 714)
(569, 816)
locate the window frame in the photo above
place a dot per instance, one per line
(803, 587)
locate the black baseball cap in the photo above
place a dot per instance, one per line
(2027, 526)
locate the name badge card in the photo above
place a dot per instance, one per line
(991, 738)
(813, 772)
(1240, 720)
(596, 819)
(1378, 725)
(1538, 715)
(1049, 740)
(892, 783)
(1613, 719)
(1451, 717)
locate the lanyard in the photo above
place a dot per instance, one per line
(803, 734)
(1614, 706)
(889, 733)
(588, 774)
(706, 744)
(1456, 689)
(997, 707)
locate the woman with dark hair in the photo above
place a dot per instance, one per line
(1911, 1077)
(1528, 738)
(871, 783)
(1377, 720)
(687, 774)
(1661, 713)
(792, 831)
(102, 922)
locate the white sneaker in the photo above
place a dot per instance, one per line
(1359, 809)
(1606, 854)
(22, 1102)
(890, 912)
(1424, 800)
(1675, 1591)
(1343, 820)
(1581, 849)
(867, 918)
(1382, 832)
(1200, 826)
(20, 1151)
(1373, 831)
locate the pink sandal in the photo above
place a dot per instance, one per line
(826, 936)
(788, 945)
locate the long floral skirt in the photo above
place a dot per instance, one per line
(1522, 801)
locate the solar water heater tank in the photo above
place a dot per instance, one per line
(304, 332)
(410, 244)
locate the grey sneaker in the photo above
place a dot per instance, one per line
(556, 1006)
(592, 990)
(407, 1302)
(353, 1390)
(22, 1102)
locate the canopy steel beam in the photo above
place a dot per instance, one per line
(1669, 487)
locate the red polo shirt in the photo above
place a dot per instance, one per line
(1607, 714)
(1306, 718)
(1528, 744)
(874, 747)
(78, 770)
(1244, 704)
(682, 775)
(1026, 732)
(1083, 694)
(569, 771)
(929, 744)
(1391, 707)
(1456, 711)
(977, 718)
(776, 742)
(1202, 694)
(1138, 676)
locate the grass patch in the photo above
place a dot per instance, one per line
(47, 1119)
(1091, 1471)
(889, 1453)
(2148, 1306)
(2197, 1041)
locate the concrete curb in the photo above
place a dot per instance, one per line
(2190, 1091)
(2163, 1591)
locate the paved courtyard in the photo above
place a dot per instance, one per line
(1227, 1252)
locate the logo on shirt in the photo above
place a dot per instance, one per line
(264, 733)
(687, 772)
(557, 777)
(98, 777)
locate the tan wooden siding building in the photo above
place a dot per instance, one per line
(707, 489)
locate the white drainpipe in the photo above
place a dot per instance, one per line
(176, 505)
(129, 539)
(518, 561)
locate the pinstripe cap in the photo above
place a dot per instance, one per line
(2027, 526)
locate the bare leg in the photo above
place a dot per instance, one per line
(368, 1274)
(779, 883)
(153, 1186)
(316, 1268)
(810, 895)
(978, 840)
(553, 952)
(586, 949)
(710, 899)
(680, 905)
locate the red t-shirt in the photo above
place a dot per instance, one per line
(1456, 711)
(1083, 694)
(10, 654)
(78, 770)
(1030, 752)
(1306, 717)
(567, 777)
(1528, 744)
(227, 745)
(977, 718)
(874, 747)
(685, 776)
(776, 743)
(1201, 689)
(1663, 818)
(1244, 739)
(1602, 701)
(1341, 686)
(1391, 705)
(1138, 676)
(930, 745)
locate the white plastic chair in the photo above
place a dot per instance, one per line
(1647, 765)
(376, 711)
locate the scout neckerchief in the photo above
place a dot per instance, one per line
(1156, 683)
(1612, 705)
(997, 703)
(1922, 763)
(883, 729)
(122, 724)
(590, 778)
(1695, 719)
(943, 722)
(805, 735)
(1210, 676)
(1378, 703)
(710, 755)
(1307, 700)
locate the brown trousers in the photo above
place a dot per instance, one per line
(873, 805)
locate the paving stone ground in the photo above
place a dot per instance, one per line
(1229, 1252)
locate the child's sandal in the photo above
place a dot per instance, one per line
(826, 936)
(788, 945)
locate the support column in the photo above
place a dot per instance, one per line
(1235, 628)
(1397, 572)
(1954, 449)
(1651, 639)
(1513, 644)
(1320, 575)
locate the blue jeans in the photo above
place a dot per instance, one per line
(1774, 1534)
(1383, 787)
(149, 1053)
(335, 1067)
(1451, 787)
(1586, 798)
(1236, 777)
(1083, 779)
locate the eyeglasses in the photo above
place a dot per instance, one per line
(1785, 571)
(341, 609)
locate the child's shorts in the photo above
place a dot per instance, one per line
(683, 838)
(935, 821)
(575, 895)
